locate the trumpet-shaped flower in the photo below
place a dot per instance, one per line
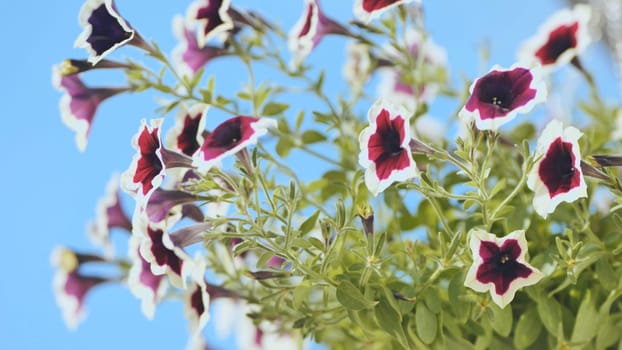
(212, 16)
(499, 265)
(501, 94)
(557, 176)
(197, 299)
(105, 30)
(561, 39)
(186, 136)
(366, 10)
(143, 283)
(230, 137)
(385, 147)
(188, 55)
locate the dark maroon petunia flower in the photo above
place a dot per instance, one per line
(186, 136)
(385, 147)
(230, 137)
(560, 40)
(499, 265)
(557, 177)
(366, 10)
(197, 299)
(312, 26)
(147, 169)
(143, 283)
(497, 97)
(161, 202)
(105, 30)
(212, 16)
(79, 103)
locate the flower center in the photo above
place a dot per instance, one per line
(504, 258)
(496, 89)
(391, 142)
(229, 134)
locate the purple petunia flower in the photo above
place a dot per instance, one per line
(197, 299)
(498, 96)
(230, 137)
(557, 176)
(560, 40)
(366, 10)
(143, 283)
(71, 286)
(310, 29)
(110, 215)
(188, 55)
(212, 17)
(105, 30)
(79, 103)
(161, 202)
(499, 265)
(148, 166)
(385, 147)
(186, 136)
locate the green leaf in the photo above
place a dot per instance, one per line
(502, 319)
(300, 295)
(587, 321)
(606, 275)
(425, 323)
(390, 320)
(351, 297)
(274, 108)
(309, 224)
(528, 329)
(460, 308)
(608, 334)
(550, 313)
(312, 136)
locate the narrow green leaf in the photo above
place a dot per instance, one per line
(502, 319)
(300, 295)
(274, 108)
(312, 136)
(550, 313)
(587, 321)
(390, 320)
(351, 297)
(309, 223)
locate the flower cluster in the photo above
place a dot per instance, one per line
(253, 217)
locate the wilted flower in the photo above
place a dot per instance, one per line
(188, 55)
(230, 137)
(497, 97)
(143, 283)
(110, 215)
(413, 86)
(385, 147)
(310, 29)
(73, 66)
(105, 30)
(560, 40)
(366, 10)
(557, 176)
(499, 265)
(212, 16)
(79, 103)
(186, 136)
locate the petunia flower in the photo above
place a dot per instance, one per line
(105, 30)
(358, 66)
(366, 10)
(385, 147)
(230, 137)
(161, 202)
(212, 17)
(413, 86)
(561, 39)
(188, 55)
(79, 103)
(110, 215)
(143, 283)
(164, 256)
(197, 299)
(498, 96)
(148, 166)
(557, 176)
(499, 265)
(186, 136)
(312, 26)
(70, 286)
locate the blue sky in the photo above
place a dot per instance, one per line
(50, 189)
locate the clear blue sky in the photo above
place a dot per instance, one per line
(50, 189)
